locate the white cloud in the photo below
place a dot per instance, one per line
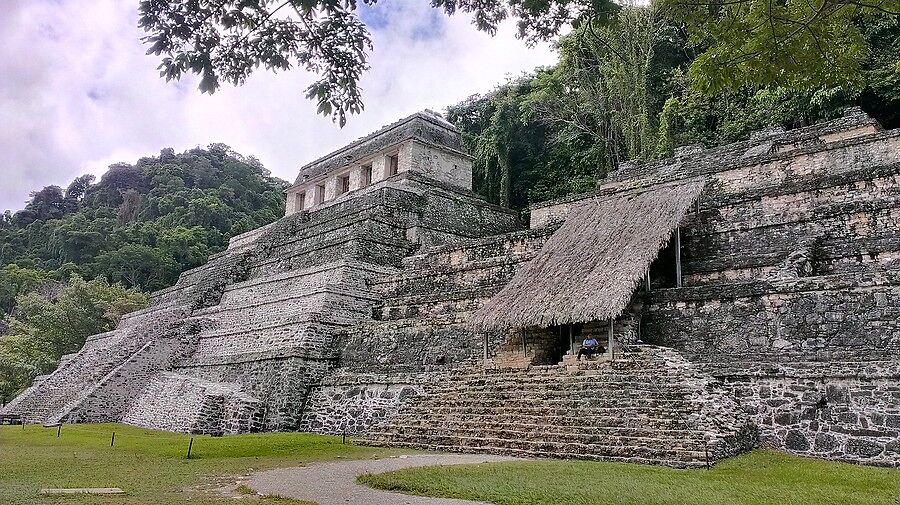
(77, 91)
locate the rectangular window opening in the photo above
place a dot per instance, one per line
(299, 201)
(393, 165)
(366, 175)
(320, 194)
(343, 184)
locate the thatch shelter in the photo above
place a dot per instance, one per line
(589, 269)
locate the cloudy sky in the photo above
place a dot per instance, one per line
(77, 92)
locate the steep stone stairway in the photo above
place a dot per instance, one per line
(648, 406)
(53, 398)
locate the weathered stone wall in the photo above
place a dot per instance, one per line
(836, 410)
(422, 322)
(451, 167)
(791, 266)
(186, 404)
(780, 320)
(350, 403)
(792, 279)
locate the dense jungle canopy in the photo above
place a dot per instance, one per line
(627, 90)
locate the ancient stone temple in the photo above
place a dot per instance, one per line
(742, 295)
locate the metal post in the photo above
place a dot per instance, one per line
(190, 446)
(647, 280)
(610, 341)
(678, 257)
(58, 429)
(113, 441)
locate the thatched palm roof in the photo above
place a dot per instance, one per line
(589, 269)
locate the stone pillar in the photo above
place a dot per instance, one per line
(356, 178)
(331, 189)
(611, 340)
(406, 158)
(290, 200)
(380, 168)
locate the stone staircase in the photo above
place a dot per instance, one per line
(648, 406)
(52, 399)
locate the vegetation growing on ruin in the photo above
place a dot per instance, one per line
(627, 90)
(150, 466)
(757, 478)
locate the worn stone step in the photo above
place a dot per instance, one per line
(689, 461)
(569, 449)
(586, 433)
(634, 420)
(514, 404)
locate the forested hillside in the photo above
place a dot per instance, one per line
(73, 261)
(626, 90)
(143, 224)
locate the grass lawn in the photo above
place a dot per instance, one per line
(758, 478)
(149, 465)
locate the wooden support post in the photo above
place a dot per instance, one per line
(610, 340)
(647, 280)
(678, 257)
(571, 340)
(524, 347)
(484, 343)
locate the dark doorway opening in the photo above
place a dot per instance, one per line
(663, 268)
(568, 339)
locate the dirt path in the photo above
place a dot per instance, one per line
(335, 483)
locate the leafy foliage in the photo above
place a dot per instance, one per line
(800, 45)
(143, 224)
(625, 90)
(44, 327)
(795, 44)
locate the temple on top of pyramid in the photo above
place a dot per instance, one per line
(424, 143)
(685, 311)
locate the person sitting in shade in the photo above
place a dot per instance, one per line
(589, 347)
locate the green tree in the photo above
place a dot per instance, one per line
(15, 281)
(797, 44)
(43, 328)
(139, 266)
(794, 44)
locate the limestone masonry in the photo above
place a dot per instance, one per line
(744, 295)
